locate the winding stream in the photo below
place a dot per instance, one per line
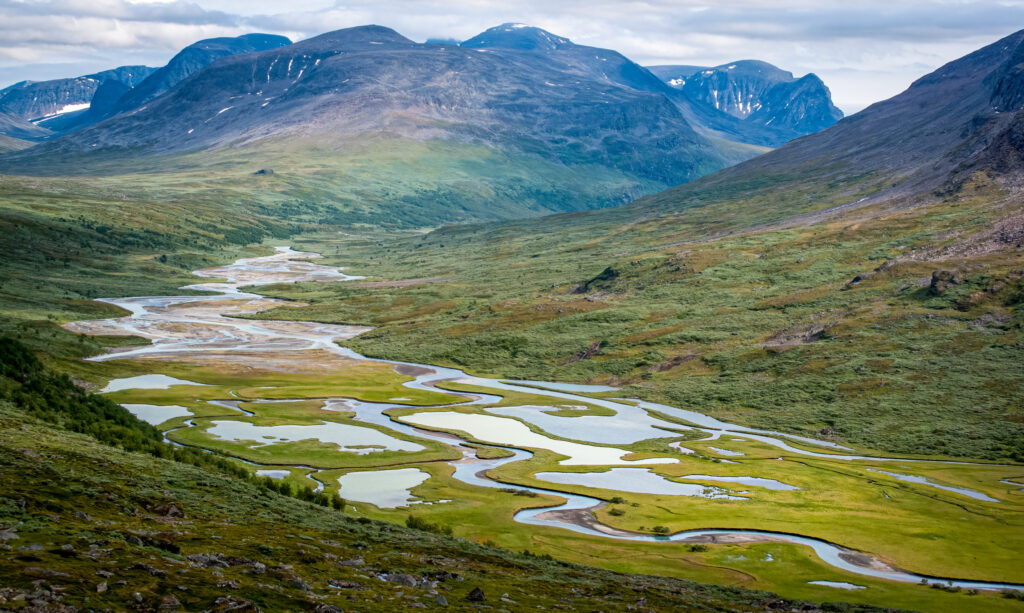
(200, 326)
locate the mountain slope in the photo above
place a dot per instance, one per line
(12, 126)
(187, 61)
(758, 92)
(526, 122)
(607, 66)
(8, 143)
(940, 129)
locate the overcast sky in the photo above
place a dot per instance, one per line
(865, 50)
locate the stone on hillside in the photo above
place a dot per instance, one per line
(169, 603)
(234, 603)
(943, 280)
(169, 510)
(477, 595)
(402, 579)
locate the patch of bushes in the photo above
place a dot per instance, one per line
(418, 523)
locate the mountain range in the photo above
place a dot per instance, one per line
(599, 128)
(339, 86)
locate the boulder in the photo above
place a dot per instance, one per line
(402, 579)
(234, 603)
(943, 280)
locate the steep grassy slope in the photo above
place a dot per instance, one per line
(84, 525)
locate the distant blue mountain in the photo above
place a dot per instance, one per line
(758, 93)
(34, 100)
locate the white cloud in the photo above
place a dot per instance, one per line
(865, 51)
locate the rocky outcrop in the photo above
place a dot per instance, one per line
(758, 93)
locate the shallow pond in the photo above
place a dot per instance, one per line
(838, 584)
(145, 382)
(565, 387)
(926, 481)
(386, 489)
(156, 414)
(636, 480)
(617, 429)
(769, 484)
(504, 431)
(348, 438)
(725, 452)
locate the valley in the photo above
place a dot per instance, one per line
(289, 403)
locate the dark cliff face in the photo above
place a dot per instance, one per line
(738, 89)
(51, 104)
(803, 106)
(758, 93)
(1007, 82)
(36, 100)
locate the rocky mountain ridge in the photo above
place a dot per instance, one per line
(757, 93)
